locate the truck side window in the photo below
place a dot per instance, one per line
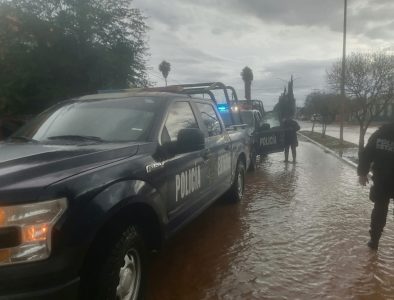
(210, 119)
(180, 116)
(258, 118)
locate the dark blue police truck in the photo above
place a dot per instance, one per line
(91, 185)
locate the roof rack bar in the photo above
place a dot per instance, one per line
(207, 88)
(195, 91)
(209, 85)
(169, 89)
(191, 89)
(235, 96)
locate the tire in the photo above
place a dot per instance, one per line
(236, 192)
(117, 270)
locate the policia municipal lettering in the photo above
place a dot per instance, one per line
(378, 154)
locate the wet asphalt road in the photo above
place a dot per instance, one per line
(300, 233)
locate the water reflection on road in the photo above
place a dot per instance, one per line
(300, 233)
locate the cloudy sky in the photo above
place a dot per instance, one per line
(212, 40)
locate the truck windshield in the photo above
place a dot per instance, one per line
(111, 120)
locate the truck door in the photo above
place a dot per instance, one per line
(186, 174)
(270, 140)
(218, 147)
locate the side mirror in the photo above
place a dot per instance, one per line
(189, 140)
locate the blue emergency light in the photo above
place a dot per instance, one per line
(222, 107)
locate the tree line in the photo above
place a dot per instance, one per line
(369, 88)
(57, 49)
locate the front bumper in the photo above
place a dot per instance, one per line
(54, 278)
(65, 291)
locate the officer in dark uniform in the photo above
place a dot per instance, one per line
(378, 154)
(291, 140)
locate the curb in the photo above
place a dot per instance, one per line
(328, 150)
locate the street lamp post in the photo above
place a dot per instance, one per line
(343, 97)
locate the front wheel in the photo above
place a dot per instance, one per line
(119, 275)
(236, 192)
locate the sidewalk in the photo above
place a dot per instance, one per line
(348, 154)
(350, 132)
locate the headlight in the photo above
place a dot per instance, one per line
(26, 230)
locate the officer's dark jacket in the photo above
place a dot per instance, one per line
(379, 154)
(291, 132)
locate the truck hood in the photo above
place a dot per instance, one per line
(25, 166)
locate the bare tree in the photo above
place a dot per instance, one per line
(165, 68)
(323, 108)
(369, 83)
(247, 77)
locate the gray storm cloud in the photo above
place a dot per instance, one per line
(212, 40)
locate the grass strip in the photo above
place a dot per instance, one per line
(328, 141)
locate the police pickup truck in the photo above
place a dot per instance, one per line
(260, 138)
(89, 186)
(264, 138)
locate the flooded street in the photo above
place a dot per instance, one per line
(300, 233)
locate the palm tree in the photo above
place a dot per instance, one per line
(165, 68)
(247, 77)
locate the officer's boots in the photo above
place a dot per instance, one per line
(373, 244)
(374, 241)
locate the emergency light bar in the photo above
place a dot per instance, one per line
(225, 108)
(222, 107)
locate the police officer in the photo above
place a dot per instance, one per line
(378, 154)
(291, 140)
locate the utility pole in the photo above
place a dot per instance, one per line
(343, 96)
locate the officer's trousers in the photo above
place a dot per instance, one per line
(381, 198)
(293, 151)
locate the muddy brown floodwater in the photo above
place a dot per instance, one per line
(299, 233)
